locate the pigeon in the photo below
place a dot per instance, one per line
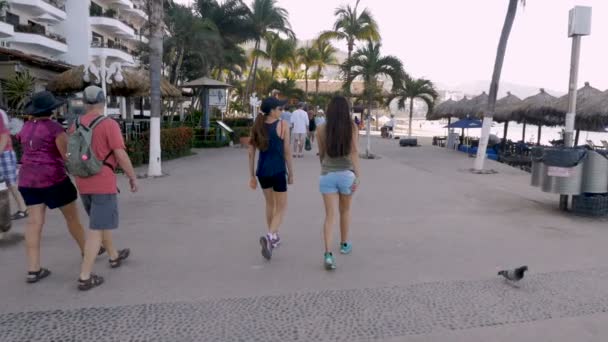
(514, 275)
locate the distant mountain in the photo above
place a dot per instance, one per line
(477, 87)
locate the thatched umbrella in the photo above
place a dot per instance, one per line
(504, 113)
(584, 119)
(474, 107)
(442, 110)
(135, 83)
(540, 110)
(70, 81)
(593, 114)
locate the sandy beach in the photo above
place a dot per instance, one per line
(424, 128)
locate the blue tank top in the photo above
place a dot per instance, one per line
(272, 161)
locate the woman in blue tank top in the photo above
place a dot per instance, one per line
(270, 136)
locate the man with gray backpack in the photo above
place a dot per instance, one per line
(95, 149)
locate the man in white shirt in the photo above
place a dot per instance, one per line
(299, 122)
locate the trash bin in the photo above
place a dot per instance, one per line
(538, 166)
(595, 173)
(564, 170)
(5, 208)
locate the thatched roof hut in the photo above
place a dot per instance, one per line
(539, 109)
(505, 108)
(593, 114)
(442, 110)
(135, 83)
(583, 96)
(473, 108)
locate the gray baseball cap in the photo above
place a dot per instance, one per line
(94, 95)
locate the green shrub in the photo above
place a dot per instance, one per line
(175, 143)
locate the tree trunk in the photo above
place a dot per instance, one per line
(409, 130)
(317, 82)
(156, 53)
(368, 148)
(247, 84)
(255, 68)
(306, 84)
(351, 46)
(500, 58)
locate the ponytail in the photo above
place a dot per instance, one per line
(259, 134)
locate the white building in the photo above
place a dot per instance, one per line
(75, 31)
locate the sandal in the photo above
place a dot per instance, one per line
(93, 281)
(101, 251)
(34, 277)
(19, 215)
(123, 254)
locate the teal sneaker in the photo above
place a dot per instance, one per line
(346, 247)
(330, 263)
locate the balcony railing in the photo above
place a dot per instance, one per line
(116, 46)
(55, 4)
(39, 31)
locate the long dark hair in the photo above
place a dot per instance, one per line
(338, 128)
(259, 133)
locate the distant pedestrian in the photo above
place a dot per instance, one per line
(312, 126)
(338, 151)
(300, 122)
(43, 180)
(286, 117)
(98, 190)
(270, 136)
(8, 166)
(320, 118)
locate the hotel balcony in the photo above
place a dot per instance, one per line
(37, 38)
(6, 30)
(112, 52)
(40, 8)
(113, 26)
(122, 4)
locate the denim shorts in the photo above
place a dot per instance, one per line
(337, 182)
(102, 210)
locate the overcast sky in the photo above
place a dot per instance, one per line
(454, 42)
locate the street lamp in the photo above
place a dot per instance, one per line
(254, 102)
(105, 75)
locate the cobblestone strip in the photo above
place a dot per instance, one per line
(333, 315)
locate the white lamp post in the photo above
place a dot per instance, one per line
(255, 103)
(579, 25)
(105, 75)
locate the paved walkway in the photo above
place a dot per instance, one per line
(428, 237)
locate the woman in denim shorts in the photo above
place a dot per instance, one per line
(338, 142)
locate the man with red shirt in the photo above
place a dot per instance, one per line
(8, 166)
(99, 192)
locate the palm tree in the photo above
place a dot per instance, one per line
(325, 56)
(265, 16)
(500, 58)
(263, 82)
(278, 51)
(156, 64)
(369, 64)
(412, 89)
(307, 57)
(353, 26)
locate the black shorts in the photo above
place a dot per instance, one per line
(278, 183)
(55, 196)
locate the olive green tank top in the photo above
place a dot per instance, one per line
(338, 164)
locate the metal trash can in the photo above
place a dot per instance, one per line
(538, 166)
(564, 171)
(595, 173)
(5, 208)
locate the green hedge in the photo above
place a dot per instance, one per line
(175, 143)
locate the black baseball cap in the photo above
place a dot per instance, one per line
(270, 103)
